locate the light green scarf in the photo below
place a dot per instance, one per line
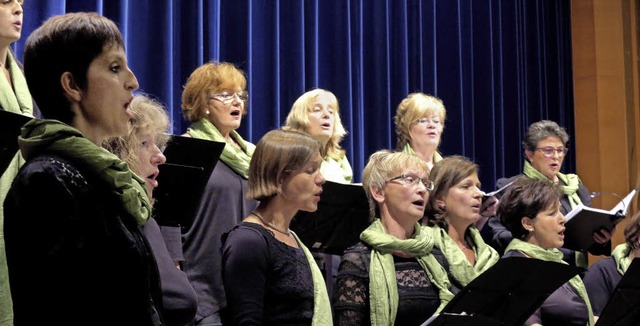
(16, 100)
(383, 287)
(436, 155)
(570, 185)
(554, 255)
(336, 170)
(621, 256)
(321, 305)
(237, 159)
(55, 137)
(459, 265)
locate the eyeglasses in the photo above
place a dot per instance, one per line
(226, 97)
(548, 151)
(409, 179)
(424, 121)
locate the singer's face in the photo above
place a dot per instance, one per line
(548, 165)
(547, 228)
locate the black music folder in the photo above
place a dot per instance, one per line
(343, 213)
(182, 179)
(505, 294)
(623, 308)
(10, 125)
(582, 222)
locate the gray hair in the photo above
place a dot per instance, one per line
(541, 130)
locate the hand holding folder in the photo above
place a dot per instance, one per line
(582, 222)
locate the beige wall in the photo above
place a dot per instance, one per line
(607, 112)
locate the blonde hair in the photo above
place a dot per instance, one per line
(382, 166)
(211, 77)
(147, 115)
(298, 119)
(412, 108)
(278, 154)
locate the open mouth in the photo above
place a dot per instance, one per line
(418, 203)
(236, 113)
(151, 179)
(326, 125)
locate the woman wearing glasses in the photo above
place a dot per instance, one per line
(419, 124)
(392, 276)
(453, 209)
(545, 148)
(214, 100)
(316, 113)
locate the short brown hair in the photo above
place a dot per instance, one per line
(446, 174)
(632, 231)
(278, 154)
(211, 77)
(526, 197)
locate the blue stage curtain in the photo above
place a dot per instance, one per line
(498, 65)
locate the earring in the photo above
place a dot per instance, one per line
(207, 112)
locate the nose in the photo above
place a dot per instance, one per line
(158, 157)
(132, 83)
(320, 179)
(17, 8)
(478, 193)
(561, 218)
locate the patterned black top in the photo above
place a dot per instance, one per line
(417, 298)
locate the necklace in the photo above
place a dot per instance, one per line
(271, 225)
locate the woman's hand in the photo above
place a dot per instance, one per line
(603, 236)
(489, 207)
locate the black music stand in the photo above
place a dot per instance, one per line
(507, 293)
(623, 308)
(182, 179)
(10, 125)
(343, 213)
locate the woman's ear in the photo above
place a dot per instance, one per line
(527, 224)
(70, 87)
(528, 154)
(440, 204)
(377, 193)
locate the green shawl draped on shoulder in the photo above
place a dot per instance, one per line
(621, 256)
(383, 287)
(337, 170)
(237, 159)
(459, 265)
(570, 185)
(554, 255)
(55, 137)
(16, 100)
(321, 304)
(437, 157)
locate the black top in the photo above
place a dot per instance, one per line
(179, 300)
(562, 308)
(417, 297)
(266, 281)
(74, 257)
(498, 236)
(601, 280)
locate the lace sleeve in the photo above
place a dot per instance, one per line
(351, 296)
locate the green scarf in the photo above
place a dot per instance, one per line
(336, 170)
(55, 137)
(554, 255)
(437, 157)
(321, 305)
(459, 265)
(570, 185)
(383, 287)
(621, 256)
(16, 100)
(237, 159)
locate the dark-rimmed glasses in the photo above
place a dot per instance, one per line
(227, 97)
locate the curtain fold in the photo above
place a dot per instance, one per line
(498, 65)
